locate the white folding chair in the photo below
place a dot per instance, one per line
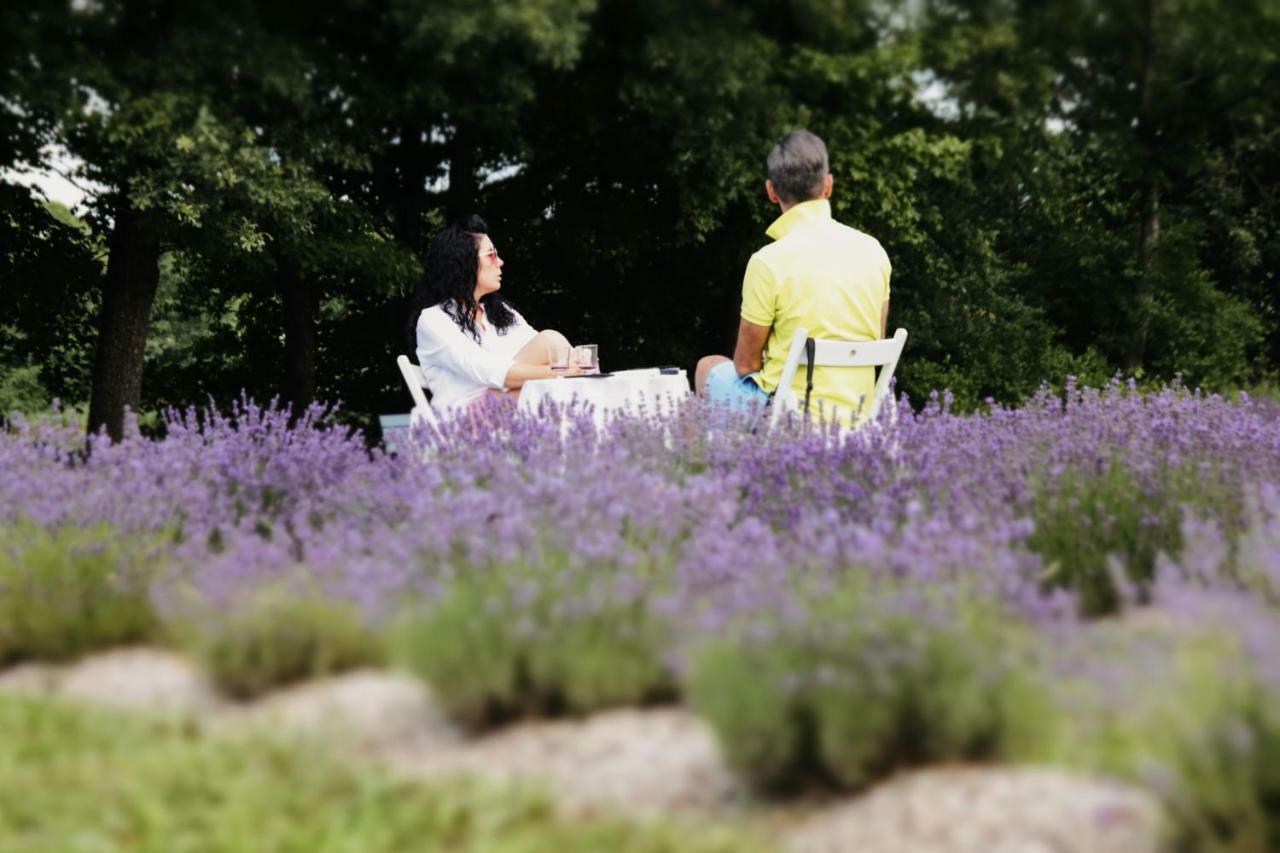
(417, 384)
(827, 353)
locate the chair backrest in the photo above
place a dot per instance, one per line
(417, 384)
(827, 353)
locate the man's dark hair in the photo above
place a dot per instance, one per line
(449, 273)
(797, 167)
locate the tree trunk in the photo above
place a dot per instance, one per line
(301, 305)
(1149, 190)
(1149, 241)
(409, 170)
(463, 186)
(133, 273)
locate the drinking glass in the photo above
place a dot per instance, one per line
(587, 357)
(558, 358)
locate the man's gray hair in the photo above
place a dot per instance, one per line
(797, 167)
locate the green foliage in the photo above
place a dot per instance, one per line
(894, 678)
(469, 655)
(517, 639)
(764, 723)
(22, 391)
(1185, 719)
(69, 591)
(1000, 151)
(49, 272)
(279, 636)
(77, 779)
(1212, 339)
(1103, 121)
(1100, 529)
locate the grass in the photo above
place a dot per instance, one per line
(75, 779)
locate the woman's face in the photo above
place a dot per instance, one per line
(489, 275)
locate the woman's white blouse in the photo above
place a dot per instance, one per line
(457, 369)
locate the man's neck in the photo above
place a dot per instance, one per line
(783, 207)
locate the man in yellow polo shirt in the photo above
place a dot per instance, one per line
(817, 274)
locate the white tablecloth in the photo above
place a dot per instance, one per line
(619, 392)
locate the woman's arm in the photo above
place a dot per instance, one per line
(442, 343)
(531, 361)
(518, 374)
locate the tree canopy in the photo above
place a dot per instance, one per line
(1064, 187)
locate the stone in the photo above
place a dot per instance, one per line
(636, 761)
(986, 810)
(139, 679)
(30, 679)
(364, 709)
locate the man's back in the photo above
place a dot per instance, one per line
(825, 277)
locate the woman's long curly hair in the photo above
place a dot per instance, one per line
(449, 273)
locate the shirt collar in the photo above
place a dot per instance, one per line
(802, 213)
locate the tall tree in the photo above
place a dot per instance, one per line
(182, 113)
(145, 125)
(47, 264)
(642, 196)
(1142, 97)
(1062, 186)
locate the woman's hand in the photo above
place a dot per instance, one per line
(519, 374)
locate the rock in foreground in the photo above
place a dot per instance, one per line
(986, 810)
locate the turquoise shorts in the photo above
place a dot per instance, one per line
(738, 393)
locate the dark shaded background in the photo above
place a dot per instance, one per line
(1064, 187)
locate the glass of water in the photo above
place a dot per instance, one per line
(558, 356)
(587, 357)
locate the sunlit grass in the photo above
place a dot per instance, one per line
(78, 779)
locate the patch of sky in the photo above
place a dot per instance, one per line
(934, 94)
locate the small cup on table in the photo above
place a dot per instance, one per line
(559, 357)
(587, 357)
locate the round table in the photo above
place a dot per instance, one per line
(621, 392)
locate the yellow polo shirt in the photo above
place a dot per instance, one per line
(825, 277)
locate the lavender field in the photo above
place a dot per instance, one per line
(1089, 581)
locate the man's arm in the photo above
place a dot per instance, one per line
(748, 355)
(884, 320)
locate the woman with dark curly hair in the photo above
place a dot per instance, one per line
(468, 339)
